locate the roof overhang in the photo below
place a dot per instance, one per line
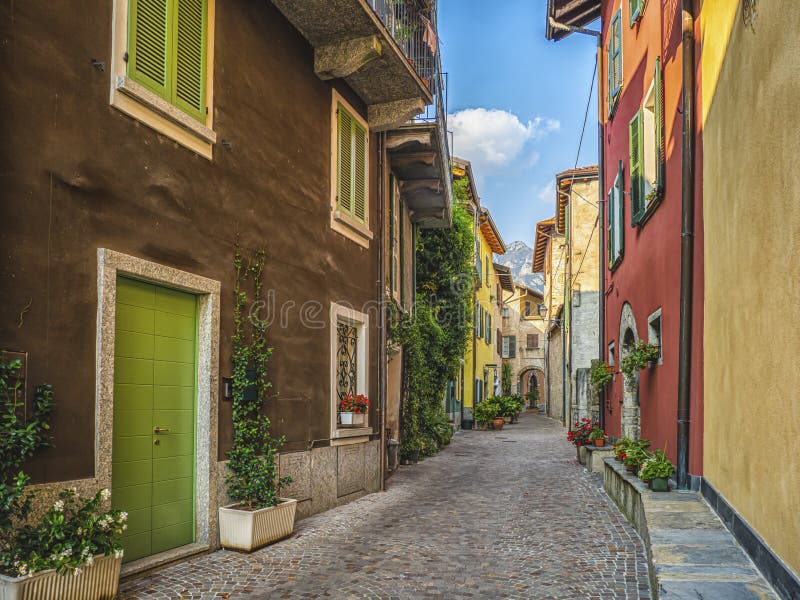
(504, 277)
(564, 181)
(544, 230)
(463, 168)
(569, 13)
(490, 232)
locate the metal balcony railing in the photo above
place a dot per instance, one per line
(415, 30)
(412, 24)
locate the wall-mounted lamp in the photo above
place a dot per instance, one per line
(542, 310)
(227, 388)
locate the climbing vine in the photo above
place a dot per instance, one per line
(435, 336)
(252, 478)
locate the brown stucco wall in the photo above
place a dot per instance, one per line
(77, 175)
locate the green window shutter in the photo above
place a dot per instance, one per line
(620, 206)
(635, 7)
(344, 174)
(610, 226)
(659, 118)
(189, 57)
(148, 44)
(615, 60)
(359, 172)
(512, 346)
(637, 165)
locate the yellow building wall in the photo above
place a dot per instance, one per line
(585, 250)
(484, 352)
(751, 183)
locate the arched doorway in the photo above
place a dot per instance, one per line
(531, 380)
(631, 418)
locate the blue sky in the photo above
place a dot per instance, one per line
(516, 104)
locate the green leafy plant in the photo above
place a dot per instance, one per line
(434, 336)
(599, 375)
(510, 405)
(597, 433)
(639, 356)
(505, 379)
(657, 465)
(532, 396)
(486, 411)
(252, 475)
(73, 530)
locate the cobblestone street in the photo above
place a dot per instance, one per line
(505, 514)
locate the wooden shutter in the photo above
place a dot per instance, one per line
(488, 329)
(148, 44)
(344, 174)
(659, 118)
(499, 341)
(620, 211)
(512, 346)
(359, 172)
(188, 63)
(636, 147)
(635, 7)
(614, 60)
(533, 340)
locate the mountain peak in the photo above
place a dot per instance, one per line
(518, 258)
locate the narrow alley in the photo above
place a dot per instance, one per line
(508, 514)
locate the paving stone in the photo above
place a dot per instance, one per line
(484, 519)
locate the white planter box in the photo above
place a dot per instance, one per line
(98, 582)
(248, 530)
(353, 419)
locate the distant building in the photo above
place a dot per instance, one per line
(522, 346)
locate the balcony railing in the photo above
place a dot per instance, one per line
(414, 30)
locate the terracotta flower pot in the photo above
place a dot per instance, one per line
(600, 442)
(498, 423)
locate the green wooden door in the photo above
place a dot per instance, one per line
(153, 455)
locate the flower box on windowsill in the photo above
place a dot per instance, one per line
(352, 419)
(99, 581)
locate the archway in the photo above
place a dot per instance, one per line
(531, 380)
(631, 418)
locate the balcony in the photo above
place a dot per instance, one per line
(381, 48)
(419, 155)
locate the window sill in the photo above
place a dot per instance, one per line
(651, 208)
(140, 103)
(351, 435)
(351, 229)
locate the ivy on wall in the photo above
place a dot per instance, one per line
(435, 336)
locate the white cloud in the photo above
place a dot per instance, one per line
(492, 139)
(547, 193)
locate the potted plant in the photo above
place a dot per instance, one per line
(485, 412)
(73, 550)
(597, 436)
(353, 409)
(638, 358)
(620, 446)
(533, 400)
(498, 422)
(600, 374)
(258, 515)
(579, 434)
(657, 469)
(635, 455)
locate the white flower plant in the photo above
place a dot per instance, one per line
(71, 533)
(74, 529)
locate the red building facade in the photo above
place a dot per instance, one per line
(641, 114)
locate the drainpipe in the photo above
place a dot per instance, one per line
(601, 201)
(687, 246)
(382, 366)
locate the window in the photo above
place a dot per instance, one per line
(509, 346)
(488, 328)
(612, 361)
(478, 263)
(394, 243)
(349, 362)
(654, 333)
(478, 390)
(533, 341)
(614, 61)
(616, 236)
(636, 8)
(646, 141)
(505, 312)
(162, 67)
(487, 270)
(528, 308)
(350, 168)
(477, 320)
(351, 173)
